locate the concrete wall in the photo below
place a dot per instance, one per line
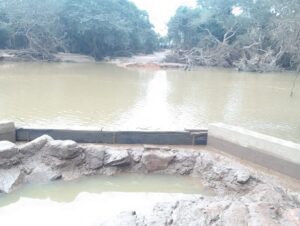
(7, 131)
(273, 153)
(118, 137)
(276, 154)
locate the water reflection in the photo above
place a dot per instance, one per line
(152, 109)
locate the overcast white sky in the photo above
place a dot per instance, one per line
(160, 11)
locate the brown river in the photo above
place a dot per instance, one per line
(66, 203)
(104, 96)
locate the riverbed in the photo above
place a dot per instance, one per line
(105, 96)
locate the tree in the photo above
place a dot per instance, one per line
(96, 27)
(32, 25)
(107, 28)
(250, 35)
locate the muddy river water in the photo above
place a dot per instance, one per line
(91, 201)
(98, 95)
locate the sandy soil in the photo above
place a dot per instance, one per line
(151, 61)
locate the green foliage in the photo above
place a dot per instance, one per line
(107, 27)
(4, 31)
(4, 36)
(263, 34)
(96, 27)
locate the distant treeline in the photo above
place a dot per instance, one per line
(251, 35)
(95, 27)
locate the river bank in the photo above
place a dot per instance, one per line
(32, 56)
(245, 195)
(164, 59)
(154, 61)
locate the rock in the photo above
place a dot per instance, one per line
(223, 174)
(183, 163)
(295, 197)
(291, 217)
(242, 176)
(266, 193)
(110, 171)
(199, 212)
(261, 214)
(161, 214)
(236, 214)
(27, 170)
(157, 160)
(63, 150)
(117, 158)
(9, 179)
(243, 197)
(64, 164)
(42, 174)
(56, 176)
(136, 154)
(94, 157)
(186, 214)
(35, 146)
(204, 162)
(8, 149)
(8, 154)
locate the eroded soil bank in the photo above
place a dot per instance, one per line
(155, 61)
(244, 196)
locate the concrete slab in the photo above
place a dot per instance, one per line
(7, 131)
(80, 136)
(117, 137)
(163, 138)
(274, 153)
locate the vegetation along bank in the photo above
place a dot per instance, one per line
(255, 36)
